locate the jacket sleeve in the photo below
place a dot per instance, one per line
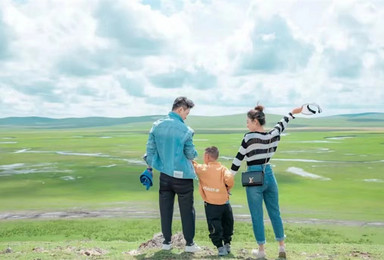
(189, 148)
(151, 148)
(198, 167)
(229, 178)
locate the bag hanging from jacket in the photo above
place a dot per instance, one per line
(252, 178)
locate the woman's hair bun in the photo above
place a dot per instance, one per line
(259, 108)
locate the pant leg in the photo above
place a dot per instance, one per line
(228, 223)
(255, 204)
(166, 203)
(184, 191)
(214, 214)
(271, 199)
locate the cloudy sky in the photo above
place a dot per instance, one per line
(120, 58)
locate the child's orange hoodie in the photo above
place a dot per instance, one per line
(215, 180)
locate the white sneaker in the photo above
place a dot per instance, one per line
(166, 247)
(192, 248)
(258, 254)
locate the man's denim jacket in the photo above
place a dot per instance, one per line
(170, 148)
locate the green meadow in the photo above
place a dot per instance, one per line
(65, 187)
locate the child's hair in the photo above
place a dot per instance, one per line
(213, 152)
(257, 114)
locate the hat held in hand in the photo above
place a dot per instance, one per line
(311, 109)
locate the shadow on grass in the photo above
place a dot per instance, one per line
(183, 255)
(165, 255)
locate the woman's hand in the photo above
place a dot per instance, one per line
(297, 110)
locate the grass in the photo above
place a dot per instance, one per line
(140, 230)
(108, 171)
(114, 238)
(121, 250)
(347, 162)
(105, 164)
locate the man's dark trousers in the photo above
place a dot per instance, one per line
(169, 186)
(220, 223)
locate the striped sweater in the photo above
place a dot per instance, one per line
(257, 148)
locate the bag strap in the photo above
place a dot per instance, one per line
(266, 158)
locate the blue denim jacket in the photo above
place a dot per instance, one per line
(170, 148)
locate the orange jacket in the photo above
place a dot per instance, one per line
(215, 180)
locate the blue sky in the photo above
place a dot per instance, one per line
(121, 58)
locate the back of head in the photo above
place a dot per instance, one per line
(257, 114)
(182, 102)
(213, 152)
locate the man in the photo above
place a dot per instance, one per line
(170, 150)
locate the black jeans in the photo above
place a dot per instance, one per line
(169, 186)
(220, 223)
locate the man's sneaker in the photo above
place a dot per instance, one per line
(166, 246)
(222, 251)
(228, 247)
(259, 255)
(282, 255)
(192, 248)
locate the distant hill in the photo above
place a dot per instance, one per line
(43, 122)
(349, 121)
(229, 122)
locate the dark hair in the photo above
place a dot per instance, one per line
(213, 152)
(182, 102)
(257, 114)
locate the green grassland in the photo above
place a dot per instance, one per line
(115, 238)
(46, 169)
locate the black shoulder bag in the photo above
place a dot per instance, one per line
(254, 178)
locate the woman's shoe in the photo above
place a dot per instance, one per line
(282, 256)
(259, 255)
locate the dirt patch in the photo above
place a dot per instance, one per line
(8, 250)
(71, 250)
(157, 241)
(177, 240)
(93, 252)
(361, 255)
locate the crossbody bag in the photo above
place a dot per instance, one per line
(254, 178)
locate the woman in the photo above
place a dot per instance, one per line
(257, 147)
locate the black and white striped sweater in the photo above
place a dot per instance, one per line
(257, 148)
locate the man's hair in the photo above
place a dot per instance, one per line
(182, 102)
(213, 152)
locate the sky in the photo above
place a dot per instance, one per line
(119, 58)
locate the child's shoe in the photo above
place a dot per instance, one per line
(222, 251)
(228, 247)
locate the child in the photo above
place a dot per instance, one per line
(215, 181)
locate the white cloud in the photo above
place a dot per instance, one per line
(129, 58)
